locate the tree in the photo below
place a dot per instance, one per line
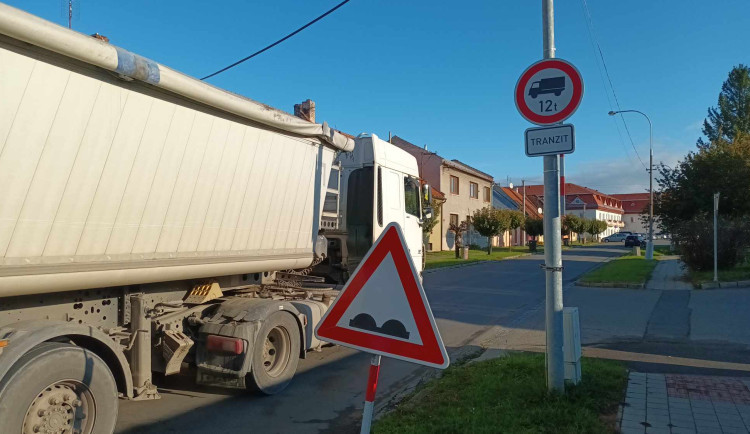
(489, 222)
(577, 225)
(516, 220)
(594, 226)
(429, 224)
(732, 116)
(458, 232)
(600, 226)
(720, 164)
(573, 223)
(534, 227)
(687, 190)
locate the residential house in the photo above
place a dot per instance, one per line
(588, 203)
(508, 198)
(466, 190)
(634, 206)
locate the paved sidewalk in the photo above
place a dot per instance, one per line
(669, 403)
(668, 275)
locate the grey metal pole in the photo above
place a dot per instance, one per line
(716, 237)
(650, 246)
(552, 239)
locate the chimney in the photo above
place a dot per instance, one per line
(305, 110)
(100, 37)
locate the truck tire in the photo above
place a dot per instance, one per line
(55, 388)
(275, 354)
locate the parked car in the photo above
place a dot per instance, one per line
(635, 240)
(615, 238)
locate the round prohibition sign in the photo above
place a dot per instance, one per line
(549, 91)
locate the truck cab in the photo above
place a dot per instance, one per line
(378, 183)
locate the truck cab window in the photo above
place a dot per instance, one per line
(411, 196)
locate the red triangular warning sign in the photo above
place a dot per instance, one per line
(383, 308)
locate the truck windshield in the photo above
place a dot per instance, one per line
(411, 196)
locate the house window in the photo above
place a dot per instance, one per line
(486, 194)
(454, 219)
(473, 190)
(454, 184)
(631, 219)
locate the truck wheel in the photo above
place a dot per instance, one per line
(58, 388)
(275, 354)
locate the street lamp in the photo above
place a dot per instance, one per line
(650, 246)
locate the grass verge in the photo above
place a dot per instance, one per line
(741, 272)
(625, 269)
(660, 251)
(448, 258)
(509, 395)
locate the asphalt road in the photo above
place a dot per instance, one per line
(470, 304)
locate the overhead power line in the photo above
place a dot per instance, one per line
(330, 11)
(595, 40)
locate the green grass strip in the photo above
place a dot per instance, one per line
(625, 269)
(448, 258)
(509, 395)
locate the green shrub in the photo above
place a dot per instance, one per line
(694, 239)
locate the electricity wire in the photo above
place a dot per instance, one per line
(268, 47)
(594, 40)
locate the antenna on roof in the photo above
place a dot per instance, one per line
(69, 9)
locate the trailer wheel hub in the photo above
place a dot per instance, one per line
(276, 351)
(58, 409)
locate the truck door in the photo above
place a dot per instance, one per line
(412, 219)
(401, 205)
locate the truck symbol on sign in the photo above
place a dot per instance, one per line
(547, 85)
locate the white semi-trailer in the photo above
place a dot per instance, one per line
(150, 222)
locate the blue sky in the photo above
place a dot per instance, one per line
(441, 73)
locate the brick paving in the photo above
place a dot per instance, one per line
(669, 403)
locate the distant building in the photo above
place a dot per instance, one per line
(466, 190)
(634, 205)
(588, 203)
(509, 198)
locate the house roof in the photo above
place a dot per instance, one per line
(507, 196)
(633, 203)
(437, 194)
(455, 164)
(593, 199)
(477, 172)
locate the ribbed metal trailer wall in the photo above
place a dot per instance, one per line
(111, 182)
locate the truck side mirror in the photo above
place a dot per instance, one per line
(427, 214)
(426, 194)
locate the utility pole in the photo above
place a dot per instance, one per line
(552, 239)
(650, 245)
(716, 237)
(523, 187)
(562, 189)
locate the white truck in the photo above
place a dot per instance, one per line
(150, 222)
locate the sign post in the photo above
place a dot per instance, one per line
(716, 236)
(547, 93)
(383, 310)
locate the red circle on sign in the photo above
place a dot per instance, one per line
(575, 100)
